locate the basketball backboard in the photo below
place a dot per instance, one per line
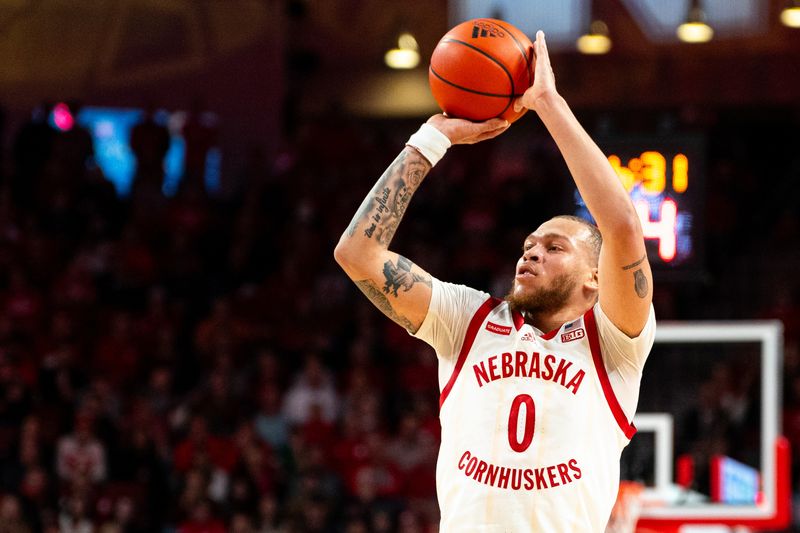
(709, 448)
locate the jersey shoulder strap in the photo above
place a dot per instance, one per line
(469, 338)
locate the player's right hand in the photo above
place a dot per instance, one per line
(461, 131)
(544, 81)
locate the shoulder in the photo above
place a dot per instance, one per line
(461, 298)
(616, 342)
(606, 326)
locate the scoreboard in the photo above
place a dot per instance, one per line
(664, 177)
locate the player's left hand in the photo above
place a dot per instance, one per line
(461, 131)
(544, 81)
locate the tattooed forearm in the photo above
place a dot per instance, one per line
(376, 296)
(365, 207)
(635, 264)
(381, 212)
(399, 276)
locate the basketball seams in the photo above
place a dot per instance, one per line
(510, 96)
(466, 89)
(522, 51)
(472, 65)
(485, 53)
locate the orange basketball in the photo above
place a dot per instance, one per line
(479, 68)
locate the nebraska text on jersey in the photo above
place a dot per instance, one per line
(522, 364)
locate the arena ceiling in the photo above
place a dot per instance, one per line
(85, 47)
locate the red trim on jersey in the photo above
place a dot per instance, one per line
(594, 343)
(550, 334)
(472, 330)
(519, 320)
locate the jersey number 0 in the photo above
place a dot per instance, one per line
(513, 423)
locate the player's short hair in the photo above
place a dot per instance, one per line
(595, 240)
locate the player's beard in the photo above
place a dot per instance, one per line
(542, 300)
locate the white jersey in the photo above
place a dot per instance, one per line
(533, 423)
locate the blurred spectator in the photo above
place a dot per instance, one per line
(268, 370)
(138, 463)
(22, 302)
(11, 518)
(257, 464)
(15, 398)
(80, 455)
(241, 523)
(149, 142)
(220, 325)
(200, 133)
(116, 354)
(411, 447)
(312, 388)
(377, 476)
(218, 405)
(269, 519)
(73, 517)
(202, 520)
(269, 422)
(32, 149)
(200, 448)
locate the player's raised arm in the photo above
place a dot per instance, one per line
(398, 287)
(624, 277)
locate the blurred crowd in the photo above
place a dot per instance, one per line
(198, 363)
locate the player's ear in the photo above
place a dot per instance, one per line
(593, 281)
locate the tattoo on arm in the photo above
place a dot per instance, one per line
(399, 276)
(376, 296)
(640, 283)
(365, 207)
(382, 210)
(635, 264)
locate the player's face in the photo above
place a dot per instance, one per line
(554, 263)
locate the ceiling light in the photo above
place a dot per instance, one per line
(405, 55)
(695, 29)
(596, 41)
(790, 16)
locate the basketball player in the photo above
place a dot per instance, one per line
(537, 390)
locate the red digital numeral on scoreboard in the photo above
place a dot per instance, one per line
(665, 229)
(649, 170)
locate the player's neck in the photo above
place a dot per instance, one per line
(547, 321)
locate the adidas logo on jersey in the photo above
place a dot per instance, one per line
(484, 29)
(528, 337)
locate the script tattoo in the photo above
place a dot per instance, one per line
(383, 209)
(365, 207)
(399, 276)
(380, 213)
(376, 296)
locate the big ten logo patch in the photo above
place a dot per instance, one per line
(481, 28)
(573, 335)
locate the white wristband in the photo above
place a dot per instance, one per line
(430, 142)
